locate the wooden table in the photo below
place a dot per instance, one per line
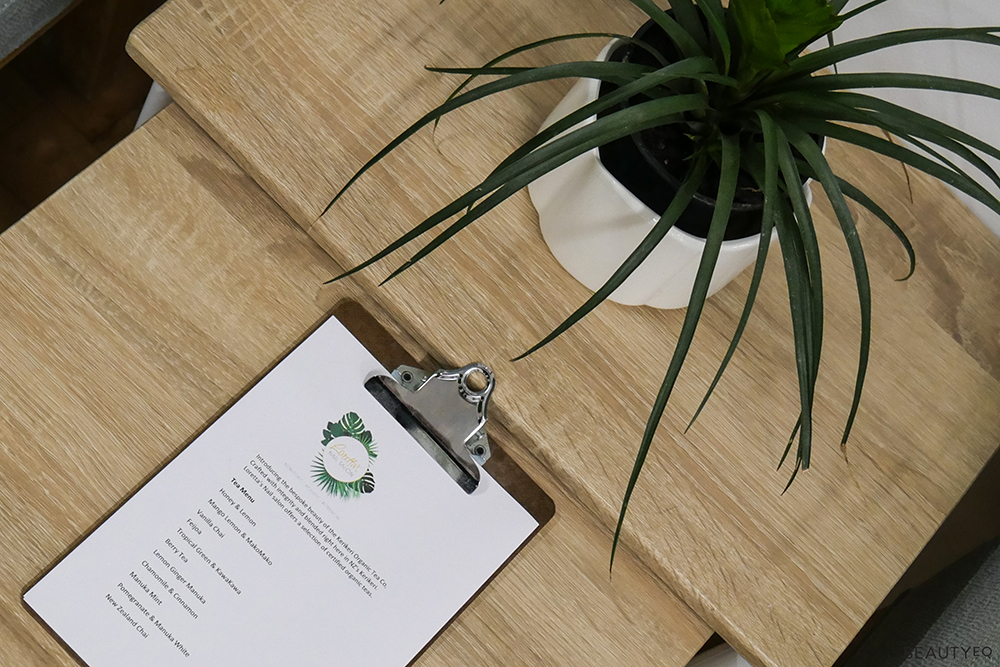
(300, 94)
(137, 302)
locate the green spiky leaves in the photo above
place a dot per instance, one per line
(738, 83)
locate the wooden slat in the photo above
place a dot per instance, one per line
(301, 95)
(146, 294)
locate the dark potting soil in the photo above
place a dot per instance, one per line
(652, 163)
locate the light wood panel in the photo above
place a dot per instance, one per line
(301, 95)
(137, 302)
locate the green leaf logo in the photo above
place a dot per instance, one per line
(343, 465)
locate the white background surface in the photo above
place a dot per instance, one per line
(965, 60)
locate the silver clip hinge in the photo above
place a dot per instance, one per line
(444, 413)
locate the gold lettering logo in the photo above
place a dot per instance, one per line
(345, 459)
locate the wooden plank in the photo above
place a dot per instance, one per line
(301, 96)
(143, 296)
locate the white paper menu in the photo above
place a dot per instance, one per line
(303, 527)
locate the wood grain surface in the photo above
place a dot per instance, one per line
(301, 95)
(137, 302)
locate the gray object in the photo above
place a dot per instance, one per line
(156, 101)
(720, 656)
(444, 413)
(952, 620)
(20, 20)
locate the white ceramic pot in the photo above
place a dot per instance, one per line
(592, 223)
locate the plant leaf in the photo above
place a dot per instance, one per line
(559, 151)
(805, 287)
(701, 75)
(800, 309)
(367, 483)
(910, 126)
(795, 473)
(861, 101)
(512, 169)
(352, 424)
(788, 447)
(817, 103)
(891, 80)
(958, 179)
(800, 22)
(959, 149)
(706, 268)
(768, 183)
(553, 40)
(813, 62)
(686, 44)
(595, 70)
(694, 68)
(716, 16)
(690, 20)
(860, 10)
(760, 46)
(805, 295)
(767, 225)
(807, 147)
(857, 195)
(478, 71)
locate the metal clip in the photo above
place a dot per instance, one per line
(442, 412)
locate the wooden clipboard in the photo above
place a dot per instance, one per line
(390, 354)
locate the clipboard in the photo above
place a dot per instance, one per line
(444, 410)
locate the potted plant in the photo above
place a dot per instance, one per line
(735, 87)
